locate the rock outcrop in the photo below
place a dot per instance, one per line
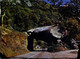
(12, 43)
(48, 34)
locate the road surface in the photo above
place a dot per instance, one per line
(41, 54)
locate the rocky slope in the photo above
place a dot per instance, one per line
(12, 43)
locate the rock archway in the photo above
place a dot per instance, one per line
(48, 34)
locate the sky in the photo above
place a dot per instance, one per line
(64, 1)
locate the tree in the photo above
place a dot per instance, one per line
(2, 19)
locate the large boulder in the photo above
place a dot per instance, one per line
(12, 43)
(49, 34)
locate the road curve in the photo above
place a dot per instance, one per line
(61, 54)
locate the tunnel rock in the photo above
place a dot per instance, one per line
(49, 34)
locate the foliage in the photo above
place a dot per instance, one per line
(24, 18)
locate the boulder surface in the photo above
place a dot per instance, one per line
(12, 43)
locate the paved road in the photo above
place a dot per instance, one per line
(38, 54)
